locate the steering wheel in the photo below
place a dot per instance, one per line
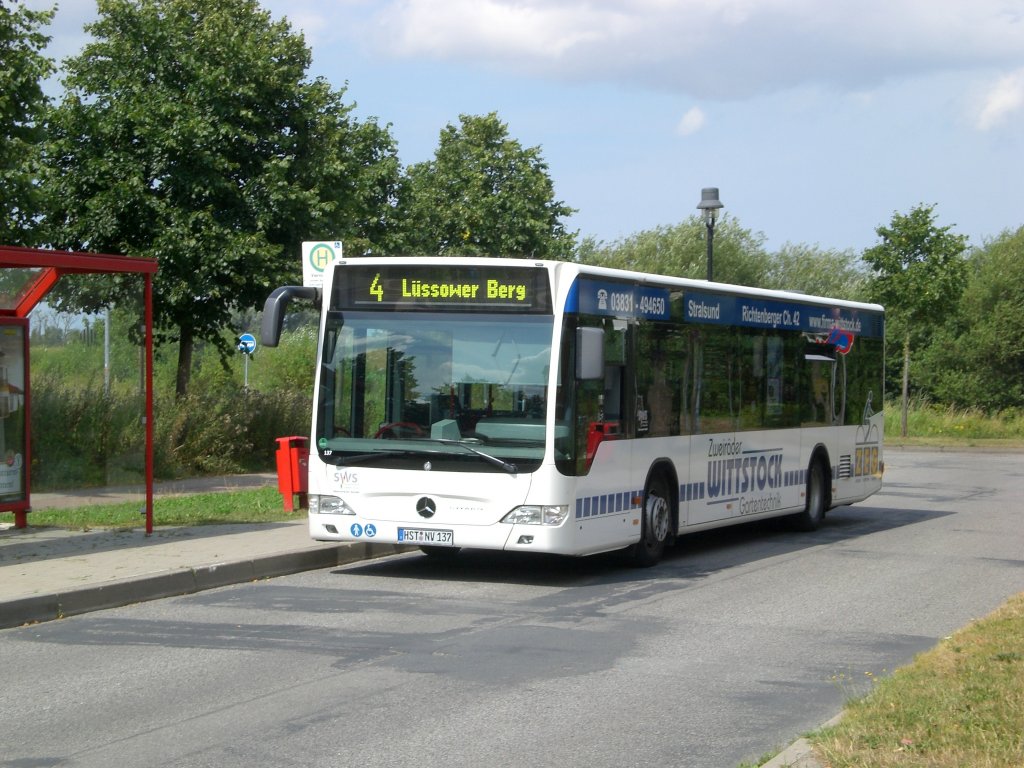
(391, 430)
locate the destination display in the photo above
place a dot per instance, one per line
(450, 288)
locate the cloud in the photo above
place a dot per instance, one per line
(724, 49)
(529, 31)
(1002, 100)
(721, 50)
(66, 32)
(691, 122)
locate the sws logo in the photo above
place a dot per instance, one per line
(346, 478)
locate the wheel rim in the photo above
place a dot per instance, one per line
(657, 518)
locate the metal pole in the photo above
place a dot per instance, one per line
(106, 353)
(149, 403)
(711, 247)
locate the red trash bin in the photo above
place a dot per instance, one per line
(293, 470)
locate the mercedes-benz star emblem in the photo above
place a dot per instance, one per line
(426, 507)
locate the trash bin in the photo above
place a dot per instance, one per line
(293, 470)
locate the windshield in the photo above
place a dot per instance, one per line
(464, 392)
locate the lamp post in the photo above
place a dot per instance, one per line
(709, 207)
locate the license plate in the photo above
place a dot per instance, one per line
(435, 537)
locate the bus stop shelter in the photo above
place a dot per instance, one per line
(29, 275)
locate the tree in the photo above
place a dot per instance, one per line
(23, 67)
(680, 250)
(810, 269)
(189, 132)
(978, 361)
(918, 275)
(483, 194)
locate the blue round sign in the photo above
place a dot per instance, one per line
(247, 343)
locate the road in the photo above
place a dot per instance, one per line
(738, 642)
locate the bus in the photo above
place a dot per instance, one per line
(555, 407)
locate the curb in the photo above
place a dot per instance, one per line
(186, 581)
(799, 754)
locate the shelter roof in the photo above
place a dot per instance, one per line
(31, 272)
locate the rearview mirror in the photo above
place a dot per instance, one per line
(589, 353)
(274, 308)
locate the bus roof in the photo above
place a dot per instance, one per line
(568, 269)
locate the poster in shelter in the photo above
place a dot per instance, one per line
(12, 413)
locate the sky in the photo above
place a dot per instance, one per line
(816, 119)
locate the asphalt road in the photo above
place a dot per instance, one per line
(734, 645)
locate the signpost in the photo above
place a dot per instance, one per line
(247, 345)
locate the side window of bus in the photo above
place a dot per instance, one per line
(766, 380)
(592, 411)
(578, 404)
(613, 399)
(864, 396)
(718, 390)
(751, 379)
(818, 403)
(661, 379)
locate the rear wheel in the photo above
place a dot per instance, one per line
(656, 523)
(817, 496)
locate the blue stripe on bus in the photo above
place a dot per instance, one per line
(794, 477)
(622, 501)
(606, 504)
(691, 491)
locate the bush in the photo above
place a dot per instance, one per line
(82, 436)
(85, 437)
(225, 432)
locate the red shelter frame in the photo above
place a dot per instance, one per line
(51, 266)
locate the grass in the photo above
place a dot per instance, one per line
(247, 506)
(959, 704)
(931, 425)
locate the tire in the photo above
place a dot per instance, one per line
(817, 499)
(655, 525)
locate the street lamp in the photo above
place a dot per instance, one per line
(709, 207)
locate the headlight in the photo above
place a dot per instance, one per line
(537, 514)
(328, 505)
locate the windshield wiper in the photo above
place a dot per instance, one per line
(509, 467)
(359, 458)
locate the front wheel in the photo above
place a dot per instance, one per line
(656, 523)
(817, 495)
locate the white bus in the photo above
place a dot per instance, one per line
(543, 406)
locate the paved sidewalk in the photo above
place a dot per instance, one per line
(48, 573)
